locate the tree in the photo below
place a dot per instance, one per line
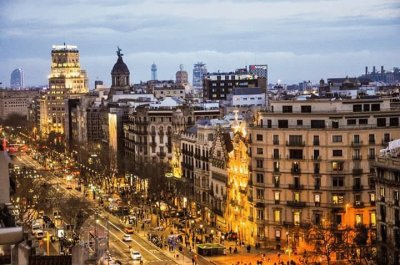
(327, 240)
(73, 211)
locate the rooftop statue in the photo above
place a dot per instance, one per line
(119, 52)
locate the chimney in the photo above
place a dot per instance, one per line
(366, 70)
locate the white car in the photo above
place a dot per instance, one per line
(126, 238)
(136, 255)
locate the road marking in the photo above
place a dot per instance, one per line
(136, 242)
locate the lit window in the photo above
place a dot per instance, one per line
(277, 215)
(317, 197)
(296, 196)
(277, 195)
(373, 219)
(358, 219)
(296, 218)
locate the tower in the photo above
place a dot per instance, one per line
(17, 79)
(119, 76)
(199, 71)
(66, 79)
(181, 76)
(153, 71)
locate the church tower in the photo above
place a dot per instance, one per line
(119, 76)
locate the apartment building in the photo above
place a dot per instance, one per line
(388, 208)
(311, 163)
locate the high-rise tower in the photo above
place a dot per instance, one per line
(182, 76)
(65, 80)
(17, 79)
(199, 71)
(153, 71)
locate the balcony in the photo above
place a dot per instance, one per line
(276, 184)
(295, 143)
(356, 143)
(372, 203)
(358, 204)
(371, 157)
(357, 171)
(317, 204)
(276, 170)
(139, 122)
(275, 142)
(357, 157)
(295, 170)
(357, 187)
(317, 187)
(316, 143)
(277, 201)
(276, 157)
(296, 204)
(316, 170)
(296, 186)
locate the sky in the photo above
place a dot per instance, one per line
(300, 40)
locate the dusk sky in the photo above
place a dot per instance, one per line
(298, 39)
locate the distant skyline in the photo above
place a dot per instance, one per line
(298, 39)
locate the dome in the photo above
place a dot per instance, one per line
(120, 67)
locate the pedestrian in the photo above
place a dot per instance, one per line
(230, 249)
(193, 260)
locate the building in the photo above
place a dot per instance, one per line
(245, 97)
(120, 78)
(16, 101)
(311, 162)
(153, 72)
(218, 86)
(260, 70)
(17, 79)
(199, 71)
(66, 79)
(169, 90)
(387, 181)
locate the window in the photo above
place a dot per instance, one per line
(337, 166)
(338, 181)
(296, 218)
(372, 198)
(275, 139)
(276, 153)
(276, 166)
(335, 124)
(260, 214)
(295, 154)
(278, 234)
(259, 151)
(351, 122)
(337, 199)
(283, 124)
(337, 152)
(295, 139)
(260, 178)
(277, 196)
(372, 218)
(316, 154)
(357, 108)
(277, 215)
(337, 138)
(363, 121)
(386, 137)
(317, 197)
(394, 121)
(381, 122)
(382, 192)
(375, 107)
(259, 163)
(358, 219)
(371, 138)
(259, 137)
(296, 196)
(299, 122)
(260, 194)
(287, 109)
(316, 139)
(366, 107)
(317, 123)
(305, 109)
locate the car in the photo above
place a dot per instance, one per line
(159, 228)
(126, 238)
(129, 230)
(136, 255)
(39, 234)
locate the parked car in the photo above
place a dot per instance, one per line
(129, 230)
(39, 234)
(136, 255)
(126, 238)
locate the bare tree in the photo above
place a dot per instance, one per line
(328, 240)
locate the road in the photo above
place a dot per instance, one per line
(118, 248)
